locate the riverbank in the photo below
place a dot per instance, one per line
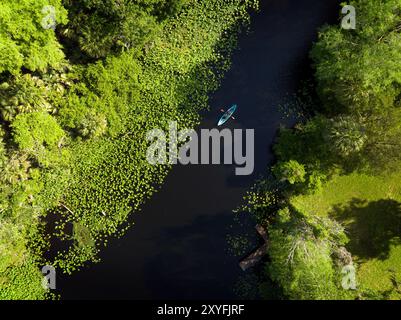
(73, 143)
(178, 248)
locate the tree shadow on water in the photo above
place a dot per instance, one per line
(371, 226)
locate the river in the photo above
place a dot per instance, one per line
(177, 248)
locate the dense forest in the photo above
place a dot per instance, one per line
(331, 203)
(81, 82)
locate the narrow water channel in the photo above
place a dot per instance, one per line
(177, 248)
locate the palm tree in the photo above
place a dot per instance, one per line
(347, 135)
(16, 168)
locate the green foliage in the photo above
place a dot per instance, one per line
(358, 80)
(102, 27)
(383, 145)
(23, 40)
(29, 93)
(100, 102)
(39, 135)
(74, 149)
(82, 235)
(346, 135)
(12, 245)
(369, 208)
(360, 69)
(23, 283)
(315, 181)
(111, 174)
(262, 201)
(93, 125)
(34, 130)
(304, 142)
(300, 250)
(291, 171)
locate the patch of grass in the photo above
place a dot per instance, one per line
(370, 209)
(376, 274)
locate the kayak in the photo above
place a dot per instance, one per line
(226, 116)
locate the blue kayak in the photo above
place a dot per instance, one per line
(226, 116)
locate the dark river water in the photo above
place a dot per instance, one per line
(177, 248)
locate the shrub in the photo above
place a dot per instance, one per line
(291, 171)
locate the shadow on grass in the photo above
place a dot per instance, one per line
(371, 226)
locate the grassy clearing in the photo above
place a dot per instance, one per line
(370, 209)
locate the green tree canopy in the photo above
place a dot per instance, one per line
(360, 69)
(24, 42)
(104, 26)
(38, 134)
(300, 249)
(291, 171)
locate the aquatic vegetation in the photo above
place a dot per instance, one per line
(69, 191)
(338, 170)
